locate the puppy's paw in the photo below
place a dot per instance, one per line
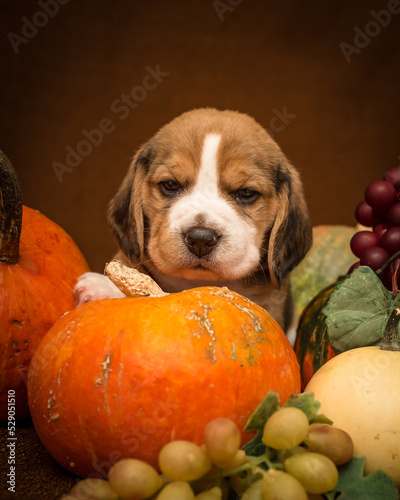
(95, 286)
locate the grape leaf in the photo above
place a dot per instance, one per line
(353, 485)
(265, 409)
(309, 405)
(269, 405)
(255, 447)
(357, 310)
(256, 422)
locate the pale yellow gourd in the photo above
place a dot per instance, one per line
(360, 391)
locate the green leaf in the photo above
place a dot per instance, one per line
(256, 422)
(265, 409)
(309, 405)
(353, 485)
(357, 311)
(255, 447)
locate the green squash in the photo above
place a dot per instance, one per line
(329, 257)
(312, 345)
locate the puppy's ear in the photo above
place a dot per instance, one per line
(125, 213)
(291, 235)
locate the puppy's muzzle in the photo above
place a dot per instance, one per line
(201, 241)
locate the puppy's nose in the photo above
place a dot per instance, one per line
(201, 241)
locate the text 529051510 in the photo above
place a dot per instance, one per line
(11, 442)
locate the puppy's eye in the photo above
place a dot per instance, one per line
(246, 196)
(169, 188)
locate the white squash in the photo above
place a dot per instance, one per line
(360, 391)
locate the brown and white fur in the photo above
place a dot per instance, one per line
(210, 199)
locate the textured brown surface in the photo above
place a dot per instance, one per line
(262, 57)
(38, 476)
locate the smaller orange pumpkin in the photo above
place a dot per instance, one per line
(120, 378)
(312, 345)
(39, 265)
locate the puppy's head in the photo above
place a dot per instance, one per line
(212, 197)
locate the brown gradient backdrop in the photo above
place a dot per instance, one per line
(263, 56)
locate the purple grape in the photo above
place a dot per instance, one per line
(390, 240)
(379, 229)
(363, 240)
(354, 266)
(393, 215)
(387, 278)
(374, 257)
(380, 195)
(380, 215)
(364, 215)
(393, 176)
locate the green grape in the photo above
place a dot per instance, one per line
(254, 492)
(279, 485)
(237, 460)
(177, 490)
(222, 440)
(286, 428)
(331, 442)
(316, 425)
(134, 479)
(240, 482)
(214, 494)
(208, 481)
(93, 488)
(183, 461)
(316, 472)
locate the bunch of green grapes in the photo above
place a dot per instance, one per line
(299, 459)
(302, 459)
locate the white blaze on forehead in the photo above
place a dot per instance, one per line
(204, 194)
(207, 181)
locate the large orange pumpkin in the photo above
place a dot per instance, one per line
(122, 377)
(39, 264)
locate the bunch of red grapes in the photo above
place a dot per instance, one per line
(381, 212)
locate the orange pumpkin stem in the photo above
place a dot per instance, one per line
(132, 282)
(10, 212)
(390, 341)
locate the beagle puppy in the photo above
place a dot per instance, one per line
(210, 200)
